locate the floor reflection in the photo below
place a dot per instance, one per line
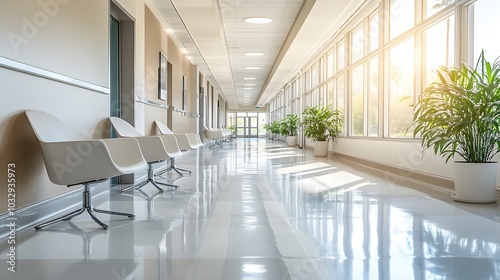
(257, 209)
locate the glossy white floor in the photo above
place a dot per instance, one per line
(257, 209)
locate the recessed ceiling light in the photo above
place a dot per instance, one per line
(247, 88)
(252, 68)
(257, 20)
(248, 79)
(254, 54)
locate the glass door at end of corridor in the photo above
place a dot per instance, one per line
(247, 126)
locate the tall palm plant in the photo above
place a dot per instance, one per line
(322, 123)
(291, 124)
(460, 113)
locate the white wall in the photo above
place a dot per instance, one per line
(67, 37)
(405, 154)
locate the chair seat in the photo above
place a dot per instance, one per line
(71, 160)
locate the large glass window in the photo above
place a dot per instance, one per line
(374, 35)
(307, 80)
(421, 38)
(315, 72)
(331, 93)
(341, 97)
(341, 93)
(340, 56)
(329, 64)
(357, 98)
(439, 48)
(357, 43)
(434, 6)
(485, 22)
(402, 17)
(373, 98)
(401, 75)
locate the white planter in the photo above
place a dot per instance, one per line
(291, 141)
(475, 182)
(320, 148)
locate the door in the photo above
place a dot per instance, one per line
(114, 65)
(114, 73)
(247, 126)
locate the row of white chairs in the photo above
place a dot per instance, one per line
(219, 135)
(71, 159)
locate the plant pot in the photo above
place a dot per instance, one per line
(475, 182)
(321, 148)
(291, 141)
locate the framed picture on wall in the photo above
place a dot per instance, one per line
(184, 93)
(162, 77)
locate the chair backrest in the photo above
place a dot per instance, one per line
(162, 128)
(123, 128)
(171, 145)
(48, 128)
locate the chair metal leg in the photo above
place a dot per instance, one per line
(94, 217)
(135, 186)
(216, 143)
(86, 206)
(178, 169)
(131, 216)
(62, 218)
(165, 184)
(151, 179)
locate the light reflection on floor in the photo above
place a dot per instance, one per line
(257, 209)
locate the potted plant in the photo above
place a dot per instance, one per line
(266, 128)
(232, 128)
(290, 128)
(322, 124)
(274, 128)
(459, 115)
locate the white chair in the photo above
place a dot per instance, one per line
(186, 141)
(154, 148)
(215, 135)
(171, 145)
(73, 160)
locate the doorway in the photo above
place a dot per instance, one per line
(121, 71)
(247, 125)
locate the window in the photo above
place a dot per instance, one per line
(340, 55)
(340, 105)
(357, 95)
(439, 48)
(322, 90)
(315, 75)
(434, 6)
(307, 80)
(485, 21)
(340, 93)
(329, 64)
(373, 97)
(330, 93)
(357, 43)
(374, 35)
(402, 16)
(401, 75)
(421, 37)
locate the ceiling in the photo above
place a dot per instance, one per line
(214, 35)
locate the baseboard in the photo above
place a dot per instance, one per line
(403, 174)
